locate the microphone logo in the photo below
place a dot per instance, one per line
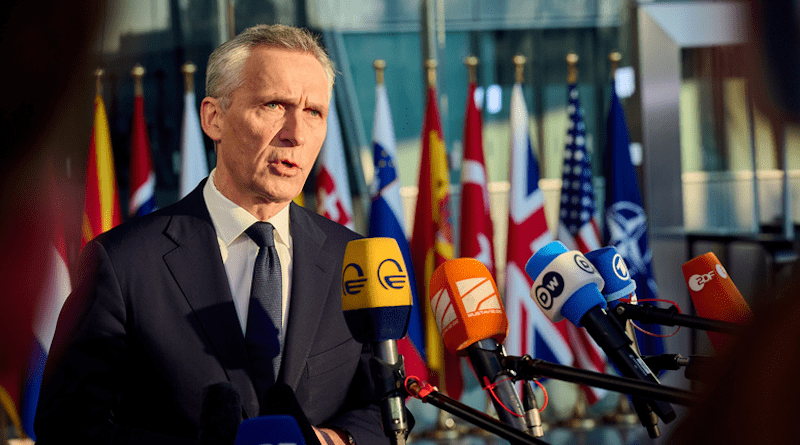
(551, 288)
(697, 281)
(396, 281)
(620, 268)
(353, 286)
(721, 271)
(583, 263)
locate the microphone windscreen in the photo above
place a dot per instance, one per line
(277, 429)
(376, 293)
(612, 267)
(466, 304)
(220, 414)
(565, 284)
(714, 295)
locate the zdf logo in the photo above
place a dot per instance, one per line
(698, 281)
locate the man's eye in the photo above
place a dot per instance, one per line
(315, 113)
(272, 105)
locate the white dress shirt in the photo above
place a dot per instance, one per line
(239, 251)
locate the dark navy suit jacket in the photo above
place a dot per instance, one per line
(151, 325)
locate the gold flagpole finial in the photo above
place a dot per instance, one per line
(430, 69)
(138, 73)
(188, 69)
(572, 68)
(98, 75)
(614, 57)
(472, 65)
(380, 66)
(519, 67)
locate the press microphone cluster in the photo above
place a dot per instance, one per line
(567, 285)
(376, 300)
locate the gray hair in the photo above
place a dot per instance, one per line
(225, 65)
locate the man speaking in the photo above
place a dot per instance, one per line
(233, 285)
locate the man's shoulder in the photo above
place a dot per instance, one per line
(143, 231)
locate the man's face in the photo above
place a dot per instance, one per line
(270, 135)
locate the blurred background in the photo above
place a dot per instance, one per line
(716, 152)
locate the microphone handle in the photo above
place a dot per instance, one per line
(609, 335)
(485, 356)
(671, 317)
(393, 412)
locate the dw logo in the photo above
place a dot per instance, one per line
(551, 288)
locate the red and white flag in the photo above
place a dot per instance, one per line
(332, 189)
(477, 234)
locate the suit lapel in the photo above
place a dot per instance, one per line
(197, 267)
(311, 278)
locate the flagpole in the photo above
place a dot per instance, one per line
(188, 69)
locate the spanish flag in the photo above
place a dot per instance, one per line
(431, 242)
(101, 210)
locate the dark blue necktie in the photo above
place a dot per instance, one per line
(263, 331)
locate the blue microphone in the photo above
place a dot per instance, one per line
(612, 267)
(567, 285)
(277, 429)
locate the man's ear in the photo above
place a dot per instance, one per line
(211, 118)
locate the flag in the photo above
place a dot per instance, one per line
(143, 177)
(194, 165)
(56, 288)
(431, 243)
(626, 223)
(476, 234)
(529, 330)
(386, 219)
(333, 190)
(578, 228)
(101, 209)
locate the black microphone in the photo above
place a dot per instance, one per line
(472, 321)
(220, 415)
(376, 300)
(566, 285)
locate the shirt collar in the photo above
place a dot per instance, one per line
(231, 220)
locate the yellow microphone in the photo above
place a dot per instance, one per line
(376, 300)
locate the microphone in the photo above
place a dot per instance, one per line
(277, 429)
(714, 295)
(567, 285)
(472, 322)
(280, 400)
(376, 300)
(614, 271)
(220, 415)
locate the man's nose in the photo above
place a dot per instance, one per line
(294, 128)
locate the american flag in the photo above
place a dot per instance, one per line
(578, 228)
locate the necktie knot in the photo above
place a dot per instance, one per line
(261, 234)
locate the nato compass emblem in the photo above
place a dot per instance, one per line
(627, 225)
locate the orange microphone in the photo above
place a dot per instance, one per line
(714, 295)
(467, 308)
